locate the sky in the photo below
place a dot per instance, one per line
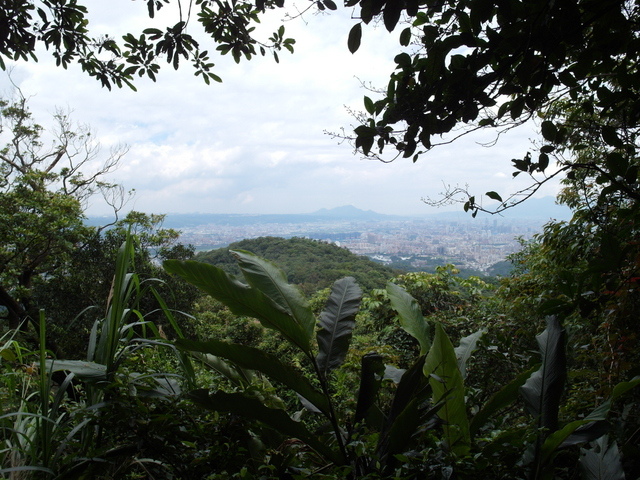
(257, 142)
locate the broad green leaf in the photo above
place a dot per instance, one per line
(255, 359)
(277, 419)
(355, 36)
(368, 105)
(542, 391)
(441, 366)
(89, 371)
(411, 319)
(578, 431)
(336, 324)
(241, 299)
(239, 376)
(465, 349)
(270, 280)
(602, 461)
(501, 399)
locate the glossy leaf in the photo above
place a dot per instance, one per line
(89, 371)
(241, 299)
(494, 196)
(411, 319)
(270, 280)
(336, 323)
(441, 366)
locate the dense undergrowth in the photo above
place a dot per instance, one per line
(432, 377)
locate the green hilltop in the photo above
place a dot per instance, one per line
(311, 264)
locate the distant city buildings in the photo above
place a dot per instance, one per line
(470, 243)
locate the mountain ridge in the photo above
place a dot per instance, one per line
(535, 208)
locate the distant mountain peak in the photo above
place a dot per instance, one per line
(347, 211)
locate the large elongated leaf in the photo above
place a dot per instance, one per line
(234, 373)
(125, 285)
(465, 349)
(336, 324)
(88, 371)
(411, 319)
(241, 299)
(277, 419)
(270, 280)
(602, 462)
(542, 391)
(255, 359)
(441, 366)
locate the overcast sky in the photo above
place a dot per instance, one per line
(255, 143)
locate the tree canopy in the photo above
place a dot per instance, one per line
(62, 27)
(475, 64)
(461, 65)
(43, 189)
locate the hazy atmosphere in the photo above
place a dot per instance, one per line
(256, 143)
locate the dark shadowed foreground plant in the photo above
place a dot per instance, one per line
(541, 388)
(363, 443)
(426, 411)
(52, 435)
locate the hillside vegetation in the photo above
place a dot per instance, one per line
(311, 264)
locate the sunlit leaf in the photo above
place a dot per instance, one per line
(411, 319)
(441, 366)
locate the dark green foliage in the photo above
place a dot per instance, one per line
(311, 264)
(336, 323)
(64, 30)
(42, 189)
(87, 277)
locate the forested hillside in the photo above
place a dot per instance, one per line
(311, 264)
(190, 373)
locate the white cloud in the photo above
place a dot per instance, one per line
(255, 143)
